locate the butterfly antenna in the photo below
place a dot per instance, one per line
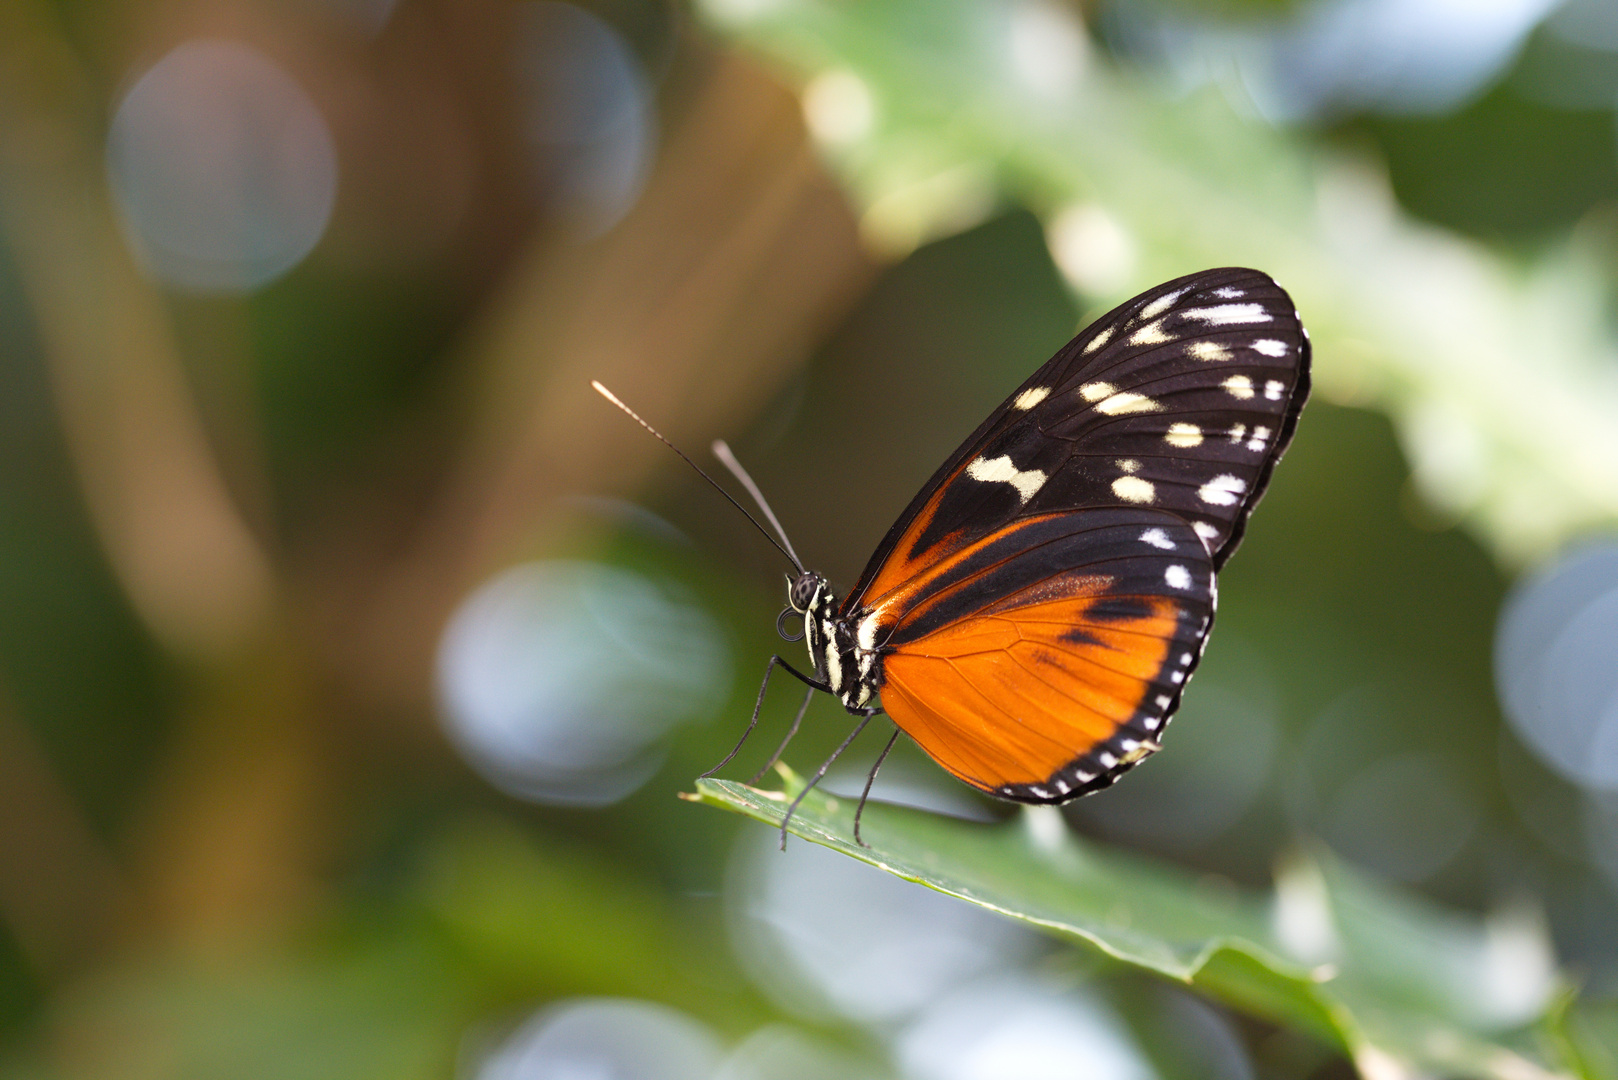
(721, 450)
(633, 415)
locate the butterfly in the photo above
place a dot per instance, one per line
(1033, 616)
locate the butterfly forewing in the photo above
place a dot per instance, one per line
(1181, 399)
(1194, 394)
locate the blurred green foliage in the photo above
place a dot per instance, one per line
(1536, 170)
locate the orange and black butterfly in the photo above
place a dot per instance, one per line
(1032, 618)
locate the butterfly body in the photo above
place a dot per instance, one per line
(1033, 616)
(843, 649)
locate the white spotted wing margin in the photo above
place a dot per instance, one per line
(1182, 400)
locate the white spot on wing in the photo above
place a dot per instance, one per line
(1208, 350)
(1095, 391)
(1128, 465)
(1134, 489)
(1223, 490)
(1274, 389)
(1000, 470)
(1107, 760)
(1238, 432)
(1150, 334)
(1261, 434)
(1183, 435)
(1227, 314)
(1163, 701)
(1205, 529)
(1177, 576)
(1099, 340)
(1161, 304)
(1239, 386)
(1270, 347)
(1158, 539)
(1122, 403)
(1176, 676)
(1229, 293)
(1031, 397)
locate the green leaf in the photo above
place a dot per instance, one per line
(1399, 985)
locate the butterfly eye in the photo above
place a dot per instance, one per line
(802, 592)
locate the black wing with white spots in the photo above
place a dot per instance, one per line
(1180, 400)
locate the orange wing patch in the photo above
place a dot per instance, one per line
(910, 585)
(902, 566)
(1017, 691)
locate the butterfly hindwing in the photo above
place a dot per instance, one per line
(1043, 661)
(1181, 400)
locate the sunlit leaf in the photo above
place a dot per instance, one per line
(1400, 986)
(932, 110)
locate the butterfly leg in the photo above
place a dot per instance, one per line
(821, 773)
(869, 780)
(769, 669)
(808, 695)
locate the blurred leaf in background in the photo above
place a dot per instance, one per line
(353, 651)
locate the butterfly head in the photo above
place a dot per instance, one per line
(810, 596)
(802, 590)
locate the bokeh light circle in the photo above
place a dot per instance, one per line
(606, 1039)
(586, 113)
(222, 167)
(1013, 1027)
(1556, 665)
(1405, 816)
(1355, 781)
(825, 933)
(560, 679)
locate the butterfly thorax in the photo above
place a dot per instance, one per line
(852, 671)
